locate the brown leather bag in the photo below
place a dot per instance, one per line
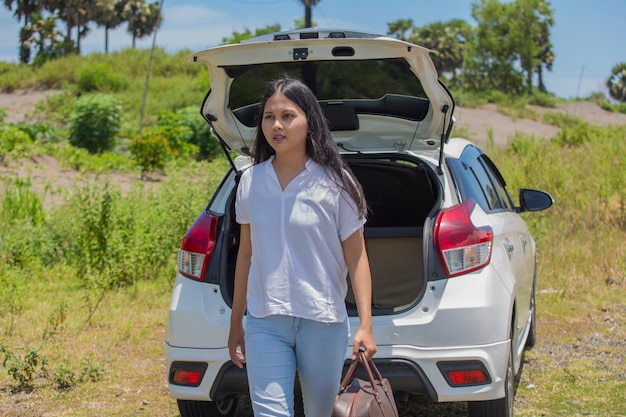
(360, 398)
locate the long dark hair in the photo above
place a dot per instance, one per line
(320, 146)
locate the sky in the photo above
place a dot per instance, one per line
(588, 37)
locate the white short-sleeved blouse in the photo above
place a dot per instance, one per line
(298, 268)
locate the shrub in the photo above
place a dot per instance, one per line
(12, 137)
(24, 369)
(178, 131)
(95, 122)
(99, 78)
(150, 151)
(188, 133)
(208, 145)
(539, 98)
(41, 132)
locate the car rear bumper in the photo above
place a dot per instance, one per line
(409, 369)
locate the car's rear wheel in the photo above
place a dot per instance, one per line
(502, 407)
(223, 408)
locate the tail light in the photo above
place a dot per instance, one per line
(462, 246)
(197, 247)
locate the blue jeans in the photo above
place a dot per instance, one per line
(277, 347)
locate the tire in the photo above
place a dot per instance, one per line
(502, 407)
(532, 332)
(224, 408)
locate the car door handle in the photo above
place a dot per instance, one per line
(509, 249)
(524, 243)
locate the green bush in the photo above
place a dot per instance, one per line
(188, 133)
(150, 151)
(207, 144)
(179, 135)
(95, 122)
(99, 78)
(41, 132)
(12, 137)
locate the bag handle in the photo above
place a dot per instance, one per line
(375, 378)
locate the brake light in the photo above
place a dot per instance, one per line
(196, 247)
(462, 246)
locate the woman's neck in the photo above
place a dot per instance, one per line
(290, 163)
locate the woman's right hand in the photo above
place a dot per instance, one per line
(237, 344)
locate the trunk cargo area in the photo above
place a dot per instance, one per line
(401, 194)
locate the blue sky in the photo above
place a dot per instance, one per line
(588, 36)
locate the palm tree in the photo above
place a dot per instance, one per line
(143, 19)
(448, 40)
(108, 14)
(23, 9)
(617, 82)
(308, 18)
(76, 14)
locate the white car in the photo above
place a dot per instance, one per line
(453, 264)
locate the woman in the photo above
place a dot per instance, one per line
(301, 213)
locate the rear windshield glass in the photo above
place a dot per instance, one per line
(372, 84)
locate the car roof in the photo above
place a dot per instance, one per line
(378, 93)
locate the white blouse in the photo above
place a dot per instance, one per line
(298, 268)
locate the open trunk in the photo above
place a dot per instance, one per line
(401, 193)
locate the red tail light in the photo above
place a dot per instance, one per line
(462, 246)
(197, 247)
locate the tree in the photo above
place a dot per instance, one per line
(46, 38)
(493, 63)
(616, 83)
(75, 14)
(143, 19)
(512, 43)
(108, 14)
(447, 40)
(398, 28)
(24, 9)
(308, 15)
(530, 22)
